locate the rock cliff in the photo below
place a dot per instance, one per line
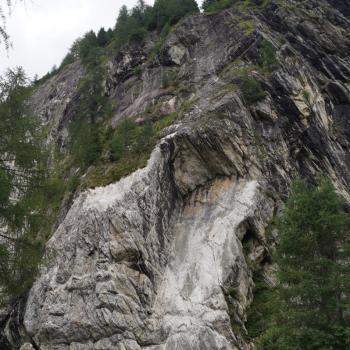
(156, 260)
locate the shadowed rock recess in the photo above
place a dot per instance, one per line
(150, 262)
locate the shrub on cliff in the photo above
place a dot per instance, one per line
(170, 11)
(252, 90)
(216, 5)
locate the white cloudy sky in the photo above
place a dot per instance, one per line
(42, 31)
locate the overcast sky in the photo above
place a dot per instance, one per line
(42, 31)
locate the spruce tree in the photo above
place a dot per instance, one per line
(311, 301)
(170, 11)
(102, 38)
(21, 175)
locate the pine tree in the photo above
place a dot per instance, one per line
(121, 28)
(21, 174)
(312, 296)
(170, 11)
(102, 38)
(141, 12)
(131, 26)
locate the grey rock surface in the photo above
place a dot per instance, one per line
(147, 263)
(136, 266)
(56, 100)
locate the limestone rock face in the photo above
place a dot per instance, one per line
(148, 262)
(27, 346)
(56, 100)
(156, 261)
(136, 265)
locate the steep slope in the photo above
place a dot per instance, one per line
(155, 261)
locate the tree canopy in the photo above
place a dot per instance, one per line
(311, 301)
(21, 173)
(131, 26)
(19, 147)
(170, 11)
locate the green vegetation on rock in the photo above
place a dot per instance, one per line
(129, 149)
(267, 59)
(131, 26)
(169, 78)
(261, 309)
(170, 11)
(22, 184)
(252, 90)
(216, 5)
(308, 309)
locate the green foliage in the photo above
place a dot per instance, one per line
(170, 12)
(21, 176)
(86, 147)
(73, 183)
(29, 199)
(88, 49)
(131, 26)
(306, 95)
(22, 250)
(85, 130)
(242, 5)
(261, 310)
(252, 90)
(311, 300)
(44, 202)
(20, 148)
(19, 261)
(130, 146)
(138, 71)
(165, 122)
(248, 26)
(169, 79)
(134, 25)
(267, 57)
(104, 37)
(216, 5)
(131, 140)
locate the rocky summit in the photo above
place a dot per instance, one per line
(163, 258)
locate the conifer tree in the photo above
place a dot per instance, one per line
(311, 301)
(21, 174)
